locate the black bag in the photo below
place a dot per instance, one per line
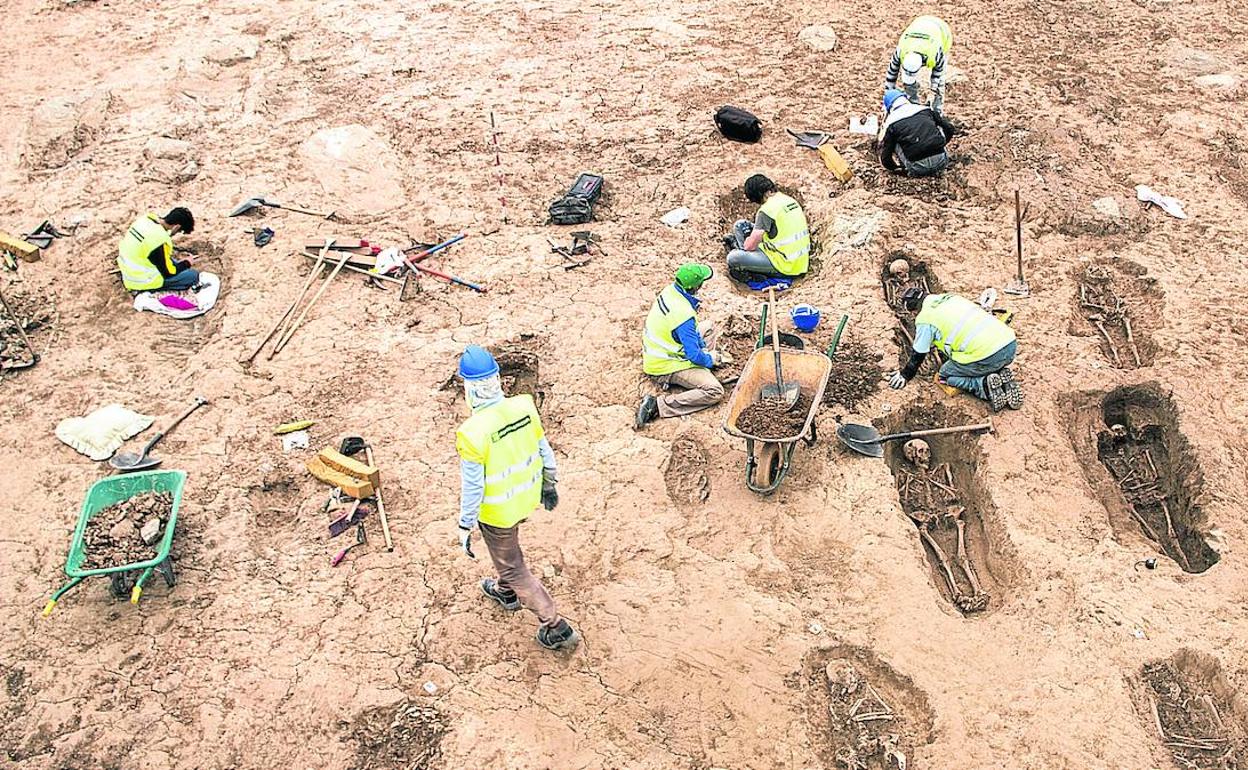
(576, 206)
(738, 124)
(571, 210)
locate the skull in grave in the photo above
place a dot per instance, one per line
(918, 452)
(1119, 430)
(899, 269)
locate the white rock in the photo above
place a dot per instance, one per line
(1220, 80)
(818, 37)
(164, 148)
(1107, 206)
(358, 169)
(232, 49)
(150, 531)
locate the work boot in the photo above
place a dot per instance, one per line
(1013, 391)
(994, 388)
(648, 412)
(560, 636)
(507, 598)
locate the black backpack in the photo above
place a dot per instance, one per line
(738, 124)
(576, 206)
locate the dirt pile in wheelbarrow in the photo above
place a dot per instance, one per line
(855, 375)
(406, 735)
(112, 536)
(772, 418)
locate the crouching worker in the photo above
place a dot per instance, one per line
(507, 469)
(914, 137)
(145, 254)
(978, 348)
(677, 350)
(776, 244)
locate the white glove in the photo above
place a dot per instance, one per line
(896, 381)
(465, 542)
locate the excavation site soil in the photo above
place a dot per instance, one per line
(1063, 591)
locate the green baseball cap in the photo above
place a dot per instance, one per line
(691, 275)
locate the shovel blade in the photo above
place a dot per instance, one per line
(246, 206)
(128, 462)
(792, 391)
(862, 439)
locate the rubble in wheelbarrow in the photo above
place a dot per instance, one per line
(770, 418)
(115, 535)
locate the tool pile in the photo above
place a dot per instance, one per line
(356, 491)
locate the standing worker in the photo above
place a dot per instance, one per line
(914, 137)
(675, 350)
(145, 254)
(978, 347)
(925, 43)
(506, 469)
(777, 243)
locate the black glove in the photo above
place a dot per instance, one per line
(465, 542)
(550, 497)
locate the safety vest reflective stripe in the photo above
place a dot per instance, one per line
(789, 251)
(504, 496)
(133, 254)
(958, 340)
(503, 474)
(661, 353)
(966, 332)
(926, 36)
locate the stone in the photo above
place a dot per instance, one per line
(60, 127)
(1219, 80)
(818, 37)
(164, 148)
(121, 531)
(150, 531)
(357, 168)
(1108, 206)
(232, 49)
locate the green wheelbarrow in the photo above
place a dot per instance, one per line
(109, 491)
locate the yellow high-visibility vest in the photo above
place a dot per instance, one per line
(504, 438)
(789, 251)
(968, 333)
(925, 36)
(137, 271)
(661, 352)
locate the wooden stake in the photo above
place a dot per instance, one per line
(281, 343)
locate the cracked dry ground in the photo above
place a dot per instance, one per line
(696, 622)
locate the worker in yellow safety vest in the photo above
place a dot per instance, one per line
(978, 348)
(776, 244)
(145, 253)
(677, 350)
(506, 468)
(924, 44)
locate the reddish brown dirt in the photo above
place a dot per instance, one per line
(695, 626)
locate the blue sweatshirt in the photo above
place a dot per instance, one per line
(690, 338)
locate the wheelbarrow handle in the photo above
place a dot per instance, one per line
(137, 591)
(937, 431)
(836, 338)
(56, 597)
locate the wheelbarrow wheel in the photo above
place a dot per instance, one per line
(120, 584)
(166, 571)
(770, 460)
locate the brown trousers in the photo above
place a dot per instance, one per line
(514, 574)
(700, 387)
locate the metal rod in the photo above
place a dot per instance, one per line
(1018, 232)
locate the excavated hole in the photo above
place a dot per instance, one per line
(1120, 295)
(739, 337)
(987, 548)
(733, 205)
(400, 736)
(862, 713)
(519, 369)
(685, 471)
(921, 274)
(1199, 718)
(1147, 476)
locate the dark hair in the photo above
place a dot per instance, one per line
(182, 217)
(912, 298)
(757, 187)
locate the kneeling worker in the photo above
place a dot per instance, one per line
(777, 243)
(674, 350)
(145, 254)
(915, 135)
(506, 469)
(978, 347)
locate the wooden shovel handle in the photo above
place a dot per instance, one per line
(939, 431)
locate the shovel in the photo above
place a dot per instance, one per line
(127, 462)
(866, 440)
(780, 391)
(260, 200)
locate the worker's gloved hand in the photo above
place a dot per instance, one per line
(896, 381)
(550, 496)
(465, 542)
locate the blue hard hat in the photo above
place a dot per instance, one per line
(805, 317)
(892, 95)
(476, 363)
